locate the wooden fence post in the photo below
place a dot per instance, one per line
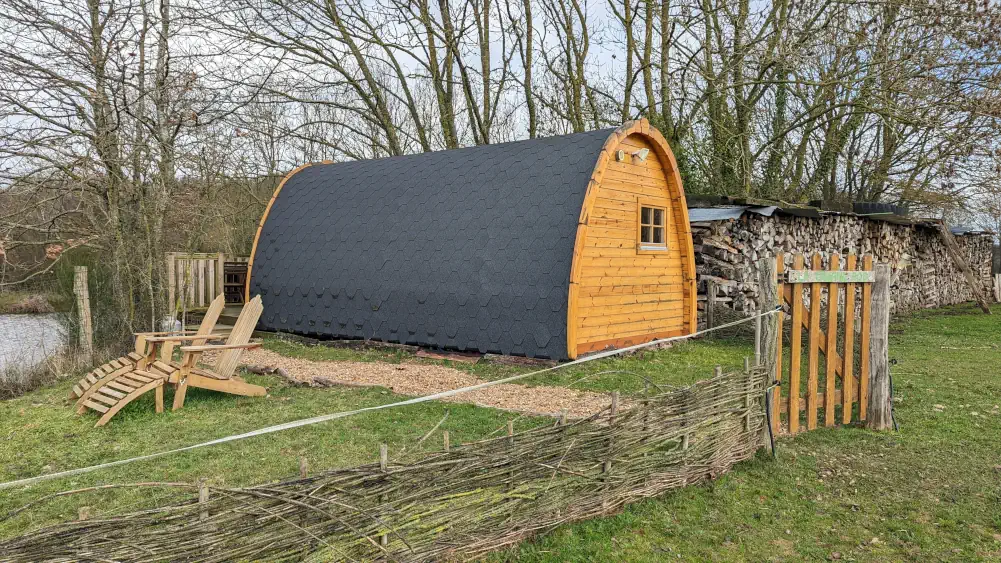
(646, 406)
(710, 306)
(201, 270)
(83, 311)
(445, 439)
(757, 332)
(383, 466)
(776, 377)
(749, 382)
(613, 410)
(510, 444)
(866, 321)
(303, 467)
(189, 282)
(768, 299)
(879, 416)
(848, 359)
(203, 498)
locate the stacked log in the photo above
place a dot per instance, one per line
(924, 276)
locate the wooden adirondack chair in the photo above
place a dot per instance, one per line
(220, 377)
(114, 389)
(146, 345)
(152, 373)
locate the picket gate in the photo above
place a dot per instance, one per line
(834, 307)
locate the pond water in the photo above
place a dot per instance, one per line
(26, 340)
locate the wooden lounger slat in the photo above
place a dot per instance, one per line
(121, 386)
(108, 391)
(143, 376)
(96, 406)
(164, 367)
(134, 356)
(159, 373)
(156, 384)
(132, 380)
(91, 378)
(208, 373)
(115, 364)
(100, 397)
(88, 389)
(152, 376)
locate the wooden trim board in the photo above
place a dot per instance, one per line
(676, 210)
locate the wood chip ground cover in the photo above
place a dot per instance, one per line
(419, 379)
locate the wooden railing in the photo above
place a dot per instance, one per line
(195, 278)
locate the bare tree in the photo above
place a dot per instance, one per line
(121, 117)
(91, 123)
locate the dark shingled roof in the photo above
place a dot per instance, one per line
(467, 249)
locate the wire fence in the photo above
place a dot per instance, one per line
(464, 501)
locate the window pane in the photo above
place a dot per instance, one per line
(658, 235)
(646, 215)
(645, 234)
(658, 216)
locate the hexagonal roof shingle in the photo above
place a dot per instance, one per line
(468, 248)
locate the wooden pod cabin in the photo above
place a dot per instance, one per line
(547, 248)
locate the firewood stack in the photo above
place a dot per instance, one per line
(924, 275)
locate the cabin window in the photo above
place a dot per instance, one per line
(653, 228)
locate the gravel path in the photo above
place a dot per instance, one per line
(418, 379)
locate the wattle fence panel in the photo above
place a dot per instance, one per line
(462, 502)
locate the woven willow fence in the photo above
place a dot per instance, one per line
(459, 503)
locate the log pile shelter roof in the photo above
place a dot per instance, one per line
(706, 209)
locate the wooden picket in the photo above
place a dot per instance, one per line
(805, 292)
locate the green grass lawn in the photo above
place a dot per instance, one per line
(40, 434)
(841, 493)
(931, 492)
(680, 365)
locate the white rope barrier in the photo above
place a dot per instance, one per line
(345, 414)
